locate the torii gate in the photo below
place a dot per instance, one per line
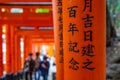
(13, 22)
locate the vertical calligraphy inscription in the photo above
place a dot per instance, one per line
(72, 44)
(88, 35)
(73, 64)
(88, 21)
(87, 64)
(72, 11)
(88, 50)
(87, 5)
(73, 47)
(60, 30)
(72, 28)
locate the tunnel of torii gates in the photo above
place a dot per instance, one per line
(30, 25)
(82, 57)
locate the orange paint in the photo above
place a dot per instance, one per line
(25, 1)
(58, 35)
(8, 52)
(84, 39)
(17, 54)
(1, 56)
(25, 50)
(12, 30)
(27, 47)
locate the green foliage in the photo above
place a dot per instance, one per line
(114, 8)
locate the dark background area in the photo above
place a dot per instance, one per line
(113, 39)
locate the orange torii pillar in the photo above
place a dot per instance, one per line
(27, 47)
(58, 35)
(12, 46)
(1, 56)
(84, 39)
(17, 54)
(25, 50)
(8, 50)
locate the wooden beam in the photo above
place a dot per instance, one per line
(26, 4)
(32, 7)
(30, 22)
(42, 40)
(37, 34)
(25, 1)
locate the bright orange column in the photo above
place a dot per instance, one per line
(8, 52)
(25, 55)
(17, 54)
(58, 35)
(12, 46)
(84, 39)
(16, 64)
(27, 47)
(1, 56)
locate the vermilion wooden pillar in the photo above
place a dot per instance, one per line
(8, 50)
(17, 54)
(1, 56)
(27, 47)
(24, 49)
(84, 39)
(58, 35)
(12, 46)
(25, 18)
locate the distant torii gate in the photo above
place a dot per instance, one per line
(13, 37)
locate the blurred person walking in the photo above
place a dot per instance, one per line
(44, 67)
(37, 64)
(29, 67)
